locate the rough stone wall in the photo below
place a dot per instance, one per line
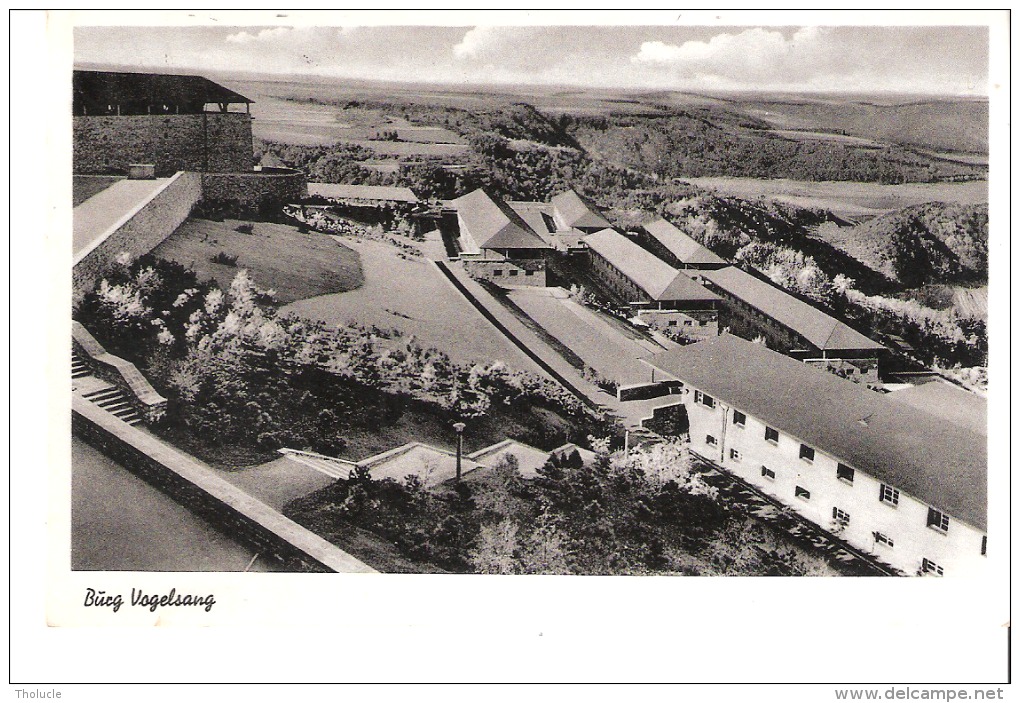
(668, 420)
(205, 142)
(153, 223)
(254, 190)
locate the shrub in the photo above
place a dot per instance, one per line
(246, 228)
(225, 259)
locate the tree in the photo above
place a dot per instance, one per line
(494, 549)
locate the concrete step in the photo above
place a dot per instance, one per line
(105, 393)
(115, 405)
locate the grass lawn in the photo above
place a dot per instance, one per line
(293, 264)
(414, 297)
(84, 187)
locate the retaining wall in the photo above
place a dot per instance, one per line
(198, 488)
(209, 141)
(139, 231)
(255, 191)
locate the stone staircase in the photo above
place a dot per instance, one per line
(99, 392)
(334, 468)
(79, 369)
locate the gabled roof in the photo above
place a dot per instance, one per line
(492, 224)
(949, 402)
(117, 88)
(821, 330)
(681, 245)
(529, 459)
(648, 272)
(939, 463)
(576, 211)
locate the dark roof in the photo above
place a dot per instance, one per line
(342, 191)
(681, 245)
(492, 224)
(648, 272)
(576, 211)
(939, 463)
(823, 331)
(116, 88)
(949, 402)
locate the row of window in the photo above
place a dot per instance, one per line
(511, 272)
(937, 520)
(889, 495)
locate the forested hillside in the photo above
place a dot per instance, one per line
(695, 143)
(924, 244)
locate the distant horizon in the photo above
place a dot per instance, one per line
(475, 87)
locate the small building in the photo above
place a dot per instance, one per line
(658, 294)
(496, 244)
(753, 307)
(572, 211)
(173, 122)
(677, 248)
(362, 195)
(890, 479)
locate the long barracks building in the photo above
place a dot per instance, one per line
(658, 294)
(892, 480)
(752, 307)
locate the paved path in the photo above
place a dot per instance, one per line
(525, 338)
(237, 505)
(94, 217)
(119, 522)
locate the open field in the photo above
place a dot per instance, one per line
(413, 296)
(803, 135)
(293, 264)
(850, 200)
(299, 122)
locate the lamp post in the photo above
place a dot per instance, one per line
(459, 429)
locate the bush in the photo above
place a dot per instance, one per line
(224, 259)
(246, 228)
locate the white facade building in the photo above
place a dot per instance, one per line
(893, 481)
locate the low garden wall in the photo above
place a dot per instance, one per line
(198, 488)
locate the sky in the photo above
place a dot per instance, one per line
(928, 60)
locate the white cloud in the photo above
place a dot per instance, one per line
(267, 34)
(757, 52)
(476, 41)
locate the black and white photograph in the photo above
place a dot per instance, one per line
(363, 303)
